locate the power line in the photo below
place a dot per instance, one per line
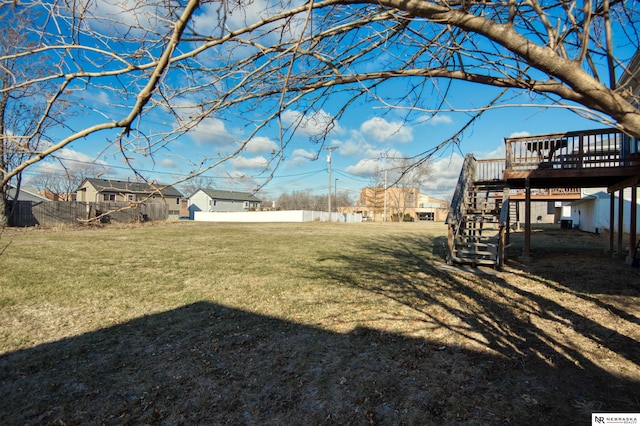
(106, 165)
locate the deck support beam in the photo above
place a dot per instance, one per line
(527, 221)
(620, 221)
(612, 222)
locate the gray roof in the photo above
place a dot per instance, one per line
(110, 185)
(230, 195)
(25, 194)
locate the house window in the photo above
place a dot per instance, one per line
(109, 197)
(177, 200)
(213, 203)
(131, 197)
(246, 204)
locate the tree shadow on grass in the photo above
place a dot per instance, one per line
(565, 352)
(208, 364)
(516, 355)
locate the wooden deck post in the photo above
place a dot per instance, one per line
(612, 220)
(620, 220)
(506, 193)
(450, 244)
(501, 246)
(527, 221)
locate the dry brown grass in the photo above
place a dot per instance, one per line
(316, 323)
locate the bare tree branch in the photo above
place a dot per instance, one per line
(165, 73)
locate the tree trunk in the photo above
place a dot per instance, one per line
(4, 219)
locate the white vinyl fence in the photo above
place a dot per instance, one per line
(277, 216)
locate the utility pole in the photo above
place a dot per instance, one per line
(335, 192)
(330, 149)
(384, 217)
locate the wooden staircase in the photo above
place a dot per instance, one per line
(477, 219)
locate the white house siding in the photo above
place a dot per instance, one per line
(591, 213)
(228, 205)
(200, 201)
(203, 202)
(584, 215)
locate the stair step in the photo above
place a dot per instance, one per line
(483, 262)
(477, 245)
(482, 239)
(483, 253)
(482, 210)
(478, 217)
(476, 230)
(476, 234)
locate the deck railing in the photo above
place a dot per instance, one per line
(489, 170)
(550, 192)
(571, 150)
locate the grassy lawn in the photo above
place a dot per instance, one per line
(316, 323)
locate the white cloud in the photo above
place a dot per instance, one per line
(382, 130)
(212, 19)
(366, 167)
(208, 131)
(211, 131)
(260, 144)
(168, 162)
(125, 17)
(356, 144)
(211, 16)
(353, 147)
(444, 177)
(97, 98)
(439, 119)
(70, 159)
(301, 156)
(499, 152)
(241, 162)
(312, 125)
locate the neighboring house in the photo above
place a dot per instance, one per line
(392, 203)
(215, 200)
(109, 190)
(630, 79)
(56, 196)
(431, 209)
(591, 212)
(397, 203)
(26, 193)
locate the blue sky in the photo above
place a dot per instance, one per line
(368, 136)
(364, 137)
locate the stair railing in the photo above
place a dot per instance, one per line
(457, 210)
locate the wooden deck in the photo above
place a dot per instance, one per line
(554, 167)
(585, 159)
